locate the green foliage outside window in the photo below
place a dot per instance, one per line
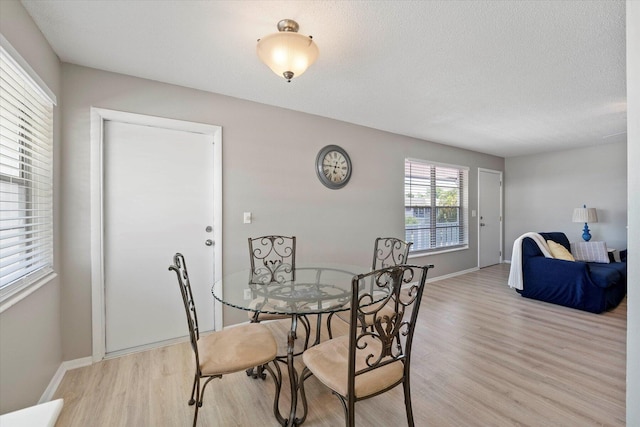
(410, 220)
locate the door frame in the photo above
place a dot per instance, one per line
(500, 174)
(98, 117)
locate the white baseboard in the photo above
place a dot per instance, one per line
(448, 276)
(141, 348)
(57, 377)
(507, 261)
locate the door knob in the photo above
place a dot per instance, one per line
(482, 224)
(209, 229)
(208, 242)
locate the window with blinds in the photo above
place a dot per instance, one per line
(26, 181)
(435, 205)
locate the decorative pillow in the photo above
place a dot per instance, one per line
(590, 252)
(560, 252)
(614, 255)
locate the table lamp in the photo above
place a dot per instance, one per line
(585, 215)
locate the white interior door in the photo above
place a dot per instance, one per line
(157, 200)
(489, 217)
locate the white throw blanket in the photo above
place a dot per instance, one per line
(515, 274)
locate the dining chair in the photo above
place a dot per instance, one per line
(273, 260)
(226, 351)
(390, 251)
(368, 362)
(387, 251)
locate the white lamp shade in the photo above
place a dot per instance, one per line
(585, 215)
(287, 51)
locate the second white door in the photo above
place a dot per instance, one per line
(490, 217)
(157, 200)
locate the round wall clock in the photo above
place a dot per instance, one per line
(333, 167)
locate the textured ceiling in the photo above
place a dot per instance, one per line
(502, 77)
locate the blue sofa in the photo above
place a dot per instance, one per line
(594, 287)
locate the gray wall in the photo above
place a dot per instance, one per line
(542, 190)
(30, 335)
(265, 173)
(633, 295)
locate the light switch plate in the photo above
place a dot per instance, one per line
(247, 217)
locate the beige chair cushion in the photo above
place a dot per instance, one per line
(329, 363)
(236, 349)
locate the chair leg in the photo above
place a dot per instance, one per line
(277, 379)
(197, 403)
(195, 416)
(193, 389)
(345, 408)
(407, 400)
(351, 416)
(307, 330)
(200, 396)
(329, 317)
(306, 373)
(257, 371)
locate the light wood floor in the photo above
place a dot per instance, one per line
(482, 356)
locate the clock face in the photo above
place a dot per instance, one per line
(333, 166)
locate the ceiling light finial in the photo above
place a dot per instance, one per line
(286, 52)
(288, 25)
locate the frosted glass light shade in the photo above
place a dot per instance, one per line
(585, 215)
(287, 53)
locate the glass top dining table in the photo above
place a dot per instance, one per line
(307, 289)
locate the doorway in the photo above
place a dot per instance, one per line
(160, 194)
(489, 217)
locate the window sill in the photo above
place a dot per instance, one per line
(438, 252)
(21, 292)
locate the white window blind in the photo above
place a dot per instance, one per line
(26, 181)
(435, 205)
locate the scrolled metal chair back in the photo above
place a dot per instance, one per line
(273, 259)
(180, 268)
(390, 338)
(390, 251)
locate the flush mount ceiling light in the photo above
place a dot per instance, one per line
(286, 52)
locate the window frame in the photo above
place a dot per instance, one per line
(430, 187)
(28, 162)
